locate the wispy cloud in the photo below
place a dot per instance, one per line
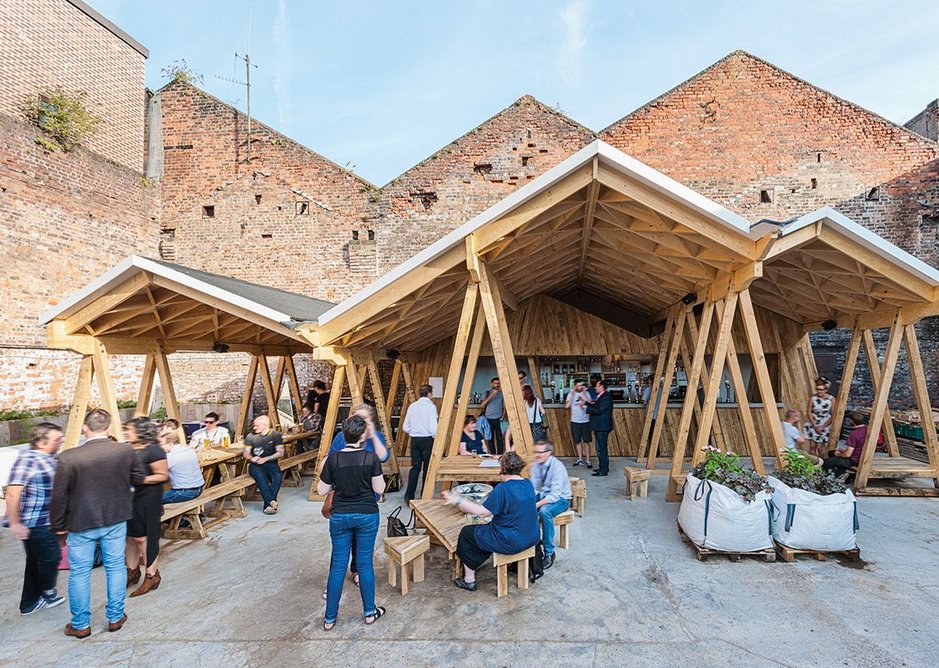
(281, 79)
(574, 16)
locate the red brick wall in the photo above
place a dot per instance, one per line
(46, 44)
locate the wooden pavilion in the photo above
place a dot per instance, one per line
(604, 255)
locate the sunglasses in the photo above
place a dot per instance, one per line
(210, 422)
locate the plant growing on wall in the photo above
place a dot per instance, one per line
(179, 71)
(63, 117)
(724, 468)
(801, 473)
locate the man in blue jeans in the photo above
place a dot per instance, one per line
(262, 449)
(553, 487)
(92, 499)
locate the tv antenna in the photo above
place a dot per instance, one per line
(246, 57)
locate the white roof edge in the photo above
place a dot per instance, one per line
(608, 154)
(868, 239)
(119, 274)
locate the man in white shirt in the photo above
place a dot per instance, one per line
(186, 479)
(795, 440)
(216, 435)
(580, 423)
(420, 423)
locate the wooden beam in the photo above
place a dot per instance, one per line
(242, 424)
(879, 407)
(329, 425)
(392, 394)
(293, 382)
(102, 365)
(269, 393)
(445, 422)
(844, 389)
(716, 428)
(146, 387)
(592, 192)
(384, 418)
(661, 397)
(873, 366)
(764, 382)
(76, 414)
(168, 390)
(921, 391)
(666, 341)
(103, 304)
(409, 397)
(791, 241)
(469, 373)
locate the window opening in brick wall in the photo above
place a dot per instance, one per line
(427, 198)
(525, 159)
(257, 199)
(765, 197)
(303, 208)
(268, 235)
(371, 235)
(355, 235)
(167, 246)
(482, 168)
(814, 184)
(208, 211)
(873, 194)
(818, 157)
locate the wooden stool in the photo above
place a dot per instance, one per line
(564, 520)
(578, 495)
(637, 482)
(501, 563)
(406, 553)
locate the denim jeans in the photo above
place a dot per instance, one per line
(179, 495)
(548, 512)
(342, 529)
(81, 556)
(42, 565)
(603, 456)
(268, 477)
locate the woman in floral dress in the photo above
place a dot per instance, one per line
(819, 414)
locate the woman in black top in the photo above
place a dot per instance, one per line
(471, 441)
(355, 477)
(143, 528)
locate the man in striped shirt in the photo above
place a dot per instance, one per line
(28, 493)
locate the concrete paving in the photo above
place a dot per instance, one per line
(628, 592)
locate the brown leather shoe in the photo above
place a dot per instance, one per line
(77, 633)
(149, 583)
(133, 576)
(116, 626)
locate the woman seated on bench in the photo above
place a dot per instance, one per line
(185, 475)
(471, 441)
(514, 525)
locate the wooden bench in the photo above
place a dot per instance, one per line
(637, 482)
(293, 467)
(578, 495)
(564, 521)
(229, 492)
(406, 554)
(501, 563)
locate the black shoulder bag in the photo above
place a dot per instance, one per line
(397, 528)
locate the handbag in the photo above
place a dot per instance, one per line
(536, 563)
(392, 482)
(539, 432)
(397, 528)
(328, 504)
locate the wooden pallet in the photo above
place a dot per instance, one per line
(789, 554)
(702, 553)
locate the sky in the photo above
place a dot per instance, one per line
(378, 86)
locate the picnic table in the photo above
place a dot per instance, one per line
(291, 438)
(460, 468)
(224, 460)
(444, 523)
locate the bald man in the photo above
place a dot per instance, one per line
(262, 450)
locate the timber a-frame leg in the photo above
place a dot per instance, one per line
(659, 395)
(645, 438)
(329, 425)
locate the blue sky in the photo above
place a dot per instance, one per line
(382, 85)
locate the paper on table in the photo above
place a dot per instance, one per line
(489, 464)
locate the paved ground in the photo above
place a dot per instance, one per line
(628, 592)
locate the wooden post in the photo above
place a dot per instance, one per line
(726, 320)
(844, 389)
(329, 425)
(763, 380)
(146, 387)
(169, 392)
(879, 408)
(269, 392)
(449, 392)
(76, 414)
(384, 419)
(469, 373)
(390, 400)
(687, 408)
(354, 377)
(402, 439)
(504, 356)
(660, 398)
(293, 383)
(921, 391)
(653, 397)
(102, 364)
(242, 425)
(873, 366)
(716, 429)
(279, 378)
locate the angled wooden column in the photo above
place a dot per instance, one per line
(660, 397)
(102, 364)
(242, 424)
(879, 407)
(445, 422)
(269, 392)
(76, 414)
(873, 366)
(687, 408)
(355, 378)
(808, 357)
(278, 382)
(392, 395)
(168, 389)
(721, 345)
(384, 419)
(146, 387)
(717, 430)
(764, 382)
(469, 373)
(667, 336)
(402, 440)
(743, 403)
(844, 388)
(504, 355)
(921, 391)
(329, 425)
(293, 383)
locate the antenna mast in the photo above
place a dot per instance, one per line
(248, 66)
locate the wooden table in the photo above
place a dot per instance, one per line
(444, 523)
(467, 469)
(224, 460)
(291, 438)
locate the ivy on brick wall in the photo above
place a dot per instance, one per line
(63, 117)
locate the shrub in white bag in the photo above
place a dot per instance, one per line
(716, 517)
(808, 521)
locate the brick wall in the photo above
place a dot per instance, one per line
(926, 122)
(46, 44)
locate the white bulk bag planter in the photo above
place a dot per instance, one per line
(716, 517)
(807, 521)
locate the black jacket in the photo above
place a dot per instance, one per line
(601, 413)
